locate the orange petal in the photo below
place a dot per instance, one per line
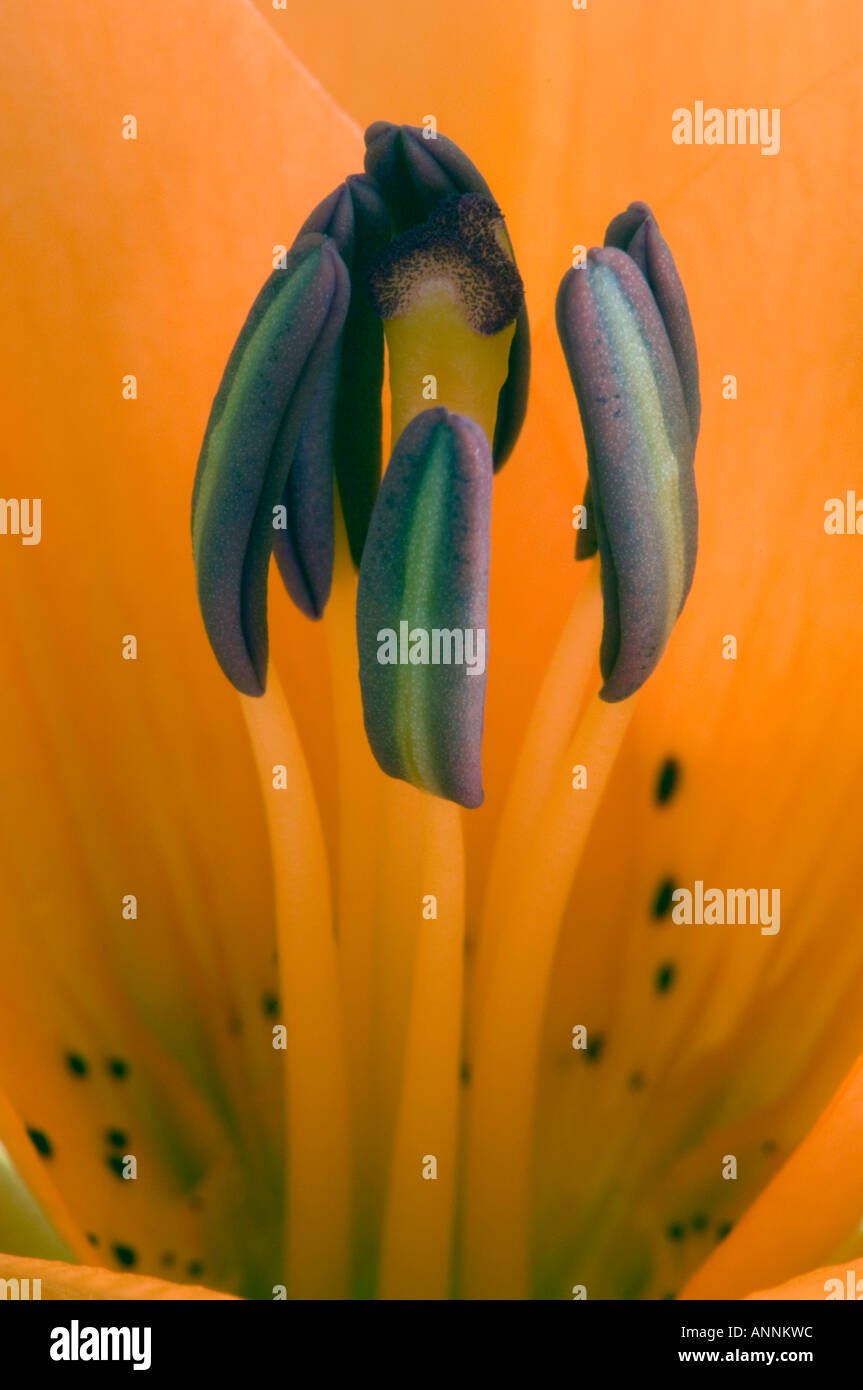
(148, 1036)
(814, 1203)
(64, 1283)
(832, 1282)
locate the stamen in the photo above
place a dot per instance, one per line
(422, 608)
(640, 450)
(450, 294)
(415, 175)
(462, 246)
(267, 387)
(635, 231)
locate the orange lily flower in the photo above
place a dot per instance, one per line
(165, 908)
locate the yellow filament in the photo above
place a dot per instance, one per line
(418, 1230)
(500, 1121)
(401, 985)
(318, 1205)
(572, 676)
(361, 791)
(402, 972)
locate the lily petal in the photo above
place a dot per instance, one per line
(821, 1183)
(722, 1038)
(425, 568)
(816, 1285)
(62, 1283)
(135, 777)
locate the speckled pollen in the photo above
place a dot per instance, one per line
(463, 244)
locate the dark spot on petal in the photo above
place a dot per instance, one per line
(124, 1255)
(675, 1230)
(593, 1051)
(115, 1163)
(769, 1146)
(699, 1222)
(117, 1138)
(663, 898)
(636, 1081)
(270, 1005)
(665, 977)
(78, 1065)
(41, 1143)
(194, 1267)
(666, 782)
(723, 1228)
(465, 1074)
(168, 1258)
(93, 1238)
(118, 1068)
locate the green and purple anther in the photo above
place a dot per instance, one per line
(428, 557)
(627, 336)
(415, 252)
